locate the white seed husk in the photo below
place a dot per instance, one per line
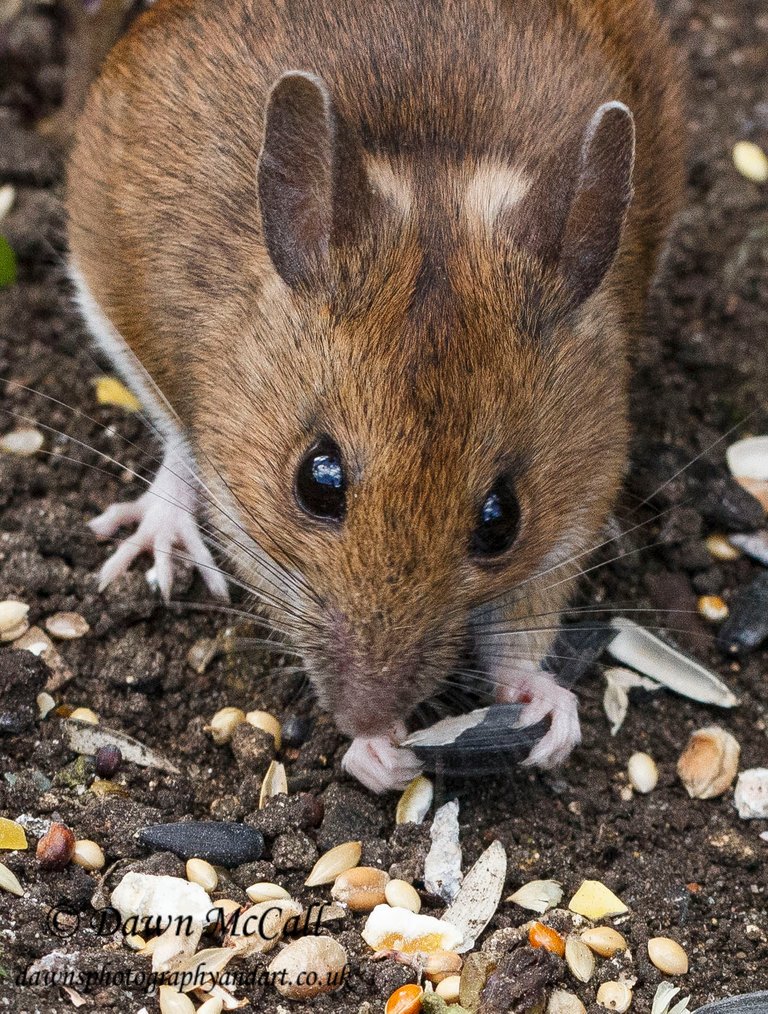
(479, 896)
(88, 854)
(616, 996)
(562, 1002)
(751, 161)
(335, 862)
(275, 783)
(414, 804)
(642, 772)
(85, 715)
(604, 940)
(448, 989)
(401, 894)
(538, 895)
(45, 704)
(67, 626)
(134, 942)
(442, 866)
(200, 871)
(172, 1002)
(12, 615)
(668, 956)
(579, 958)
(24, 442)
(267, 723)
(709, 763)
(9, 882)
(265, 891)
(224, 723)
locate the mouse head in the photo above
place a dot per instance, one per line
(429, 409)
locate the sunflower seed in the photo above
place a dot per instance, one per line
(479, 895)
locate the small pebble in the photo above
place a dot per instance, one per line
(751, 795)
(642, 772)
(712, 608)
(449, 988)
(108, 760)
(67, 626)
(23, 442)
(751, 161)
(401, 894)
(308, 967)
(224, 723)
(200, 871)
(668, 956)
(56, 848)
(85, 715)
(88, 854)
(616, 996)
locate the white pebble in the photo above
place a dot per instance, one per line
(751, 796)
(24, 442)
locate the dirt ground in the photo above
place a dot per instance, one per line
(689, 869)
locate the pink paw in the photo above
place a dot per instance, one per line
(380, 764)
(166, 531)
(542, 698)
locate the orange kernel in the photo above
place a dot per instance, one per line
(405, 1000)
(548, 939)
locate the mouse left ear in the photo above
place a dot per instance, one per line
(311, 178)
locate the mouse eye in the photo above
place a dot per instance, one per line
(321, 486)
(499, 520)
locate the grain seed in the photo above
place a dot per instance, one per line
(333, 863)
(642, 772)
(604, 940)
(442, 964)
(414, 804)
(85, 715)
(401, 894)
(751, 161)
(213, 1006)
(405, 1000)
(13, 615)
(448, 989)
(67, 626)
(308, 967)
(267, 723)
(579, 958)
(721, 548)
(562, 1002)
(361, 889)
(45, 704)
(200, 871)
(9, 882)
(23, 442)
(668, 956)
(546, 938)
(88, 854)
(173, 1002)
(712, 608)
(224, 723)
(264, 891)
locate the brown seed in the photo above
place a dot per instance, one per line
(442, 964)
(668, 956)
(710, 762)
(56, 847)
(67, 626)
(361, 889)
(604, 940)
(267, 723)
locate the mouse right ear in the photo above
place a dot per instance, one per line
(311, 178)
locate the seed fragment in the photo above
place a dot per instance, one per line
(615, 996)
(579, 958)
(45, 704)
(7, 199)
(12, 835)
(275, 783)
(709, 763)
(405, 1000)
(200, 871)
(401, 894)
(85, 715)
(712, 608)
(213, 1006)
(267, 723)
(604, 940)
(414, 804)
(449, 988)
(595, 901)
(751, 161)
(562, 1002)
(109, 391)
(721, 548)
(441, 964)
(545, 937)
(751, 795)
(668, 956)
(334, 862)
(396, 929)
(88, 854)
(538, 895)
(173, 1002)
(13, 615)
(308, 967)
(643, 773)
(56, 847)
(67, 626)
(9, 882)
(264, 891)
(224, 723)
(24, 441)
(361, 889)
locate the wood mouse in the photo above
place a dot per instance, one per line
(375, 271)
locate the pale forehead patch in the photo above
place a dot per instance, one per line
(492, 189)
(391, 184)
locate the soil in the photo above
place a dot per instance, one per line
(689, 869)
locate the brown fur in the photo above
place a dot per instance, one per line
(435, 352)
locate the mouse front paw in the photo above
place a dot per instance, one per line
(166, 530)
(380, 764)
(542, 698)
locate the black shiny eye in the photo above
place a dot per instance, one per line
(321, 486)
(499, 520)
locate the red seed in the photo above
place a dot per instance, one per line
(56, 847)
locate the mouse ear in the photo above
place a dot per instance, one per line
(578, 227)
(311, 177)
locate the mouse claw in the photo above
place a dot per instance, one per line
(166, 531)
(542, 698)
(380, 765)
